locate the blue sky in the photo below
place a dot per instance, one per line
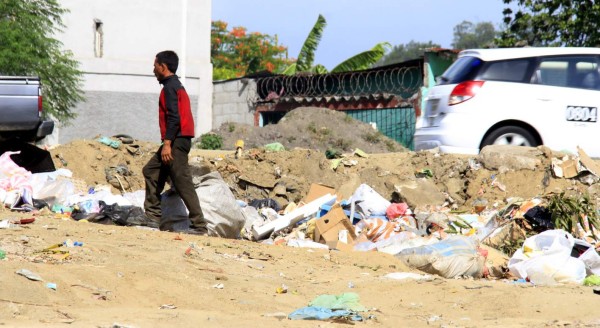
(354, 26)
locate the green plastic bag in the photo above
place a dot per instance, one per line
(592, 280)
(276, 146)
(110, 142)
(345, 301)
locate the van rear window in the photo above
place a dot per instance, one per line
(506, 70)
(463, 69)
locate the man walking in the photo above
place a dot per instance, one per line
(171, 159)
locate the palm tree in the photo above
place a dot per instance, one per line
(306, 57)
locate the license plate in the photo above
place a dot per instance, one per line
(581, 114)
(432, 107)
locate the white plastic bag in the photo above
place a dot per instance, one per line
(369, 201)
(223, 215)
(545, 259)
(452, 257)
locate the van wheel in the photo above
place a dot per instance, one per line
(510, 135)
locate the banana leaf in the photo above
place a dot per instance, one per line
(306, 57)
(364, 59)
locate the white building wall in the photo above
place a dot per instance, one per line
(133, 31)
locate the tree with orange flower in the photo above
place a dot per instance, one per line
(236, 53)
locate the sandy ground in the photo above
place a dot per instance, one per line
(124, 275)
(135, 277)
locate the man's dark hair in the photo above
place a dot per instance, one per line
(169, 58)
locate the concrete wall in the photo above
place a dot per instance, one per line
(120, 89)
(230, 102)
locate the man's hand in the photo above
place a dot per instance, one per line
(166, 154)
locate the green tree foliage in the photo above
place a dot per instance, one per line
(404, 52)
(27, 47)
(235, 53)
(306, 57)
(468, 35)
(551, 23)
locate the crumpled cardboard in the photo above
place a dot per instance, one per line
(335, 230)
(570, 167)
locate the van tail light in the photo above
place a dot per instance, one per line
(464, 91)
(40, 101)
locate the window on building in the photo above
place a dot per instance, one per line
(98, 38)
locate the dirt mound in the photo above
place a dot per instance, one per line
(98, 164)
(419, 178)
(311, 128)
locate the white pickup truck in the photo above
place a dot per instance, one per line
(21, 109)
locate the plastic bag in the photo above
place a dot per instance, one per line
(540, 218)
(545, 259)
(452, 257)
(368, 201)
(127, 215)
(266, 202)
(223, 215)
(396, 210)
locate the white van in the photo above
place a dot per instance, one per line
(515, 96)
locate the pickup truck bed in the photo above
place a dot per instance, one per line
(21, 109)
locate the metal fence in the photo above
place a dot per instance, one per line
(398, 84)
(395, 123)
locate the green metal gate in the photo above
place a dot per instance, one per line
(395, 123)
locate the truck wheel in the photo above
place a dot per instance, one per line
(510, 135)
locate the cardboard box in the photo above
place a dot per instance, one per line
(317, 190)
(335, 230)
(589, 163)
(340, 246)
(570, 168)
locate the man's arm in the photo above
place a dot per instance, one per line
(172, 104)
(173, 122)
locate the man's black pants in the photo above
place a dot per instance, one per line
(156, 173)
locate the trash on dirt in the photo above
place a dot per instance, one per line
(281, 289)
(368, 202)
(218, 286)
(571, 166)
(29, 275)
(474, 165)
(497, 184)
(305, 243)
(335, 230)
(51, 285)
(455, 256)
(592, 280)
(70, 243)
(325, 307)
(424, 173)
(266, 202)
(545, 259)
(222, 213)
(344, 301)
(7, 224)
(303, 212)
(168, 306)
(360, 153)
(319, 313)
(14, 182)
(539, 218)
(114, 143)
(275, 146)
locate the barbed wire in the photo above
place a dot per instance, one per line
(399, 81)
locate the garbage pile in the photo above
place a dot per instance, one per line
(539, 240)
